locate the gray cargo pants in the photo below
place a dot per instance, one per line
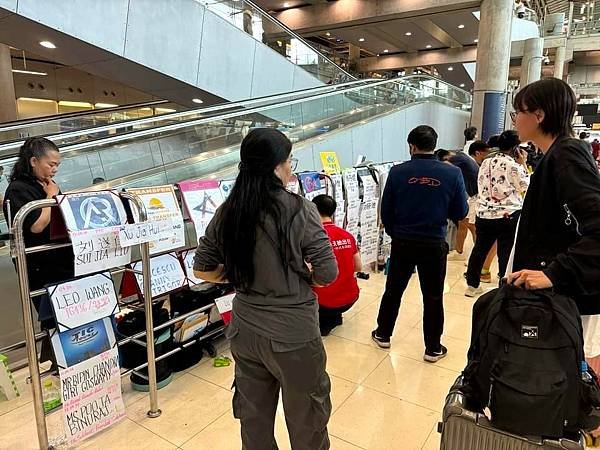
(262, 368)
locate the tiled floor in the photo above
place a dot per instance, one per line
(381, 399)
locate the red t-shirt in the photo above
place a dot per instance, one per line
(344, 290)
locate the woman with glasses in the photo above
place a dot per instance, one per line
(263, 239)
(558, 241)
(502, 182)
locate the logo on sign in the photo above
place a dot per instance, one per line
(97, 212)
(83, 336)
(529, 332)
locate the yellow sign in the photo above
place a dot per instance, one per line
(330, 163)
(596, 126)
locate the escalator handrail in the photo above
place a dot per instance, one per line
(15, 144)
(300, 38)
(199, 121)
(16, 124)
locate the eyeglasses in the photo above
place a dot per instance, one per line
(293, 163)
(514, 114)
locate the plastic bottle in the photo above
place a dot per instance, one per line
(586, 376)
(50, 394)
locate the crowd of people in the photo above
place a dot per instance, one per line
(533, 194)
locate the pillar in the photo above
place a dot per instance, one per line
(559, 62)
(531, 64)
(493, 60)
(353, 56)
(8, 102)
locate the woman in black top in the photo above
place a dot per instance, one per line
(32, 179)
(558, 241)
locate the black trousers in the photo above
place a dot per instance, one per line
(489, 231)
(329, 318)
(430, 259)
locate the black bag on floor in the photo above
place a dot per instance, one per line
(524, 362)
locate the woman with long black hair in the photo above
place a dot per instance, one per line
(261, 240)
(32, 178)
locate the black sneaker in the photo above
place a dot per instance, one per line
(381, 342)
(432, 357)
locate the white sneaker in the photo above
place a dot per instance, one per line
(455, 256)
(473, 292)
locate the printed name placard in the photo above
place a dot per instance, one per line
(353, 199)
(78, 302)
(330, 162)
(340, 211)
(78, 344)
(201, 198)
(97, 250)
(311, 184)
(91, 396)
(161, 206)
(166, 274)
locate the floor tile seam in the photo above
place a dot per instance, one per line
(334, 410)
(15, 408)
(210, 382)
(395, 397)
(229, 410)
(346, 441)
(153, 432)
(425, 363)
(360, 343)
(433, 430)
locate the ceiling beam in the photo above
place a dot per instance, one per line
(430, 58)
(391, 39)
(435, 31)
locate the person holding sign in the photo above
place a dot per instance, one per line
(32, 178)
(260, 240)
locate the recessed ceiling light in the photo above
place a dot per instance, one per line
(47, 44)
(461, 26)
(450, 68)
(386, 51)
(29, 72)
(476, 40)
(462, 84)
(428, 46)
(408, 33)
(361, 40)
(197, 100)
(328, 34)
(286, 5)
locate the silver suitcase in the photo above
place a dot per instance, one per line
(462, 429)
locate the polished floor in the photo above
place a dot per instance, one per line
(382, 399)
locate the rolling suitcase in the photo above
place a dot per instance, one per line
(462, 429)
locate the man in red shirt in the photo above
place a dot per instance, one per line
(339, 296)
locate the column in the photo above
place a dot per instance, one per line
(353, 57)
(8, 102)
(559, 62)
(531, 64)
(493, 60)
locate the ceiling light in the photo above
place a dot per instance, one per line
(29, 99)
(286, 5)
(164, 110)
(450, 68)
(386, 51)
(74, 104)
(328, 34)
(361, 40)
(476, 40)
(47, 44)
(29, 72)
(105, 105)
(408, 33)
(428, 46)
(462, 84)
(461, 26)
(197, 100)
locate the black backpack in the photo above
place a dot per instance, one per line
(524, 362)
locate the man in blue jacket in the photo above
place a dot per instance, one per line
(419, 198)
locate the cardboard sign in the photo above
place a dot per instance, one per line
(97, 250)
(165, 272)
(192, 326)
(78, 344)
(91, 396)
(92, 210)
(201, 198)
(162, 206)
(225, 305)
(330, 163)
(78, 302)
(188, 264)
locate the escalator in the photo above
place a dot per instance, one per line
(204, 143)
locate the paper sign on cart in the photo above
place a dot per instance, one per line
(84, 300)
(161, 206)
(91, 396)
(330, 162)
(225, 305)
(92, 210)
(202, 198)
(188, 263)
(97, 250)
(311, 184)
(155, 231)
(166, 274)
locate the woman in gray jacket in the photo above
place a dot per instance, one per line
(261, 240)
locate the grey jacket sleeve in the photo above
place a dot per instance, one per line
(316, 248)
(208, 253)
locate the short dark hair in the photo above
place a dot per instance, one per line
(442, 153)
(423, 137)
(583, 135)
(493, 141)
(326, 205)
(508, 140)
(470, 133)
(555, 98)
(478, 146)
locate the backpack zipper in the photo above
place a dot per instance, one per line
(568, 220)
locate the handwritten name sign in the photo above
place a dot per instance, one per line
(84, 300)
(97, 250)
(188, 262)
(165, 272)
(139, 233)
(91, 396)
